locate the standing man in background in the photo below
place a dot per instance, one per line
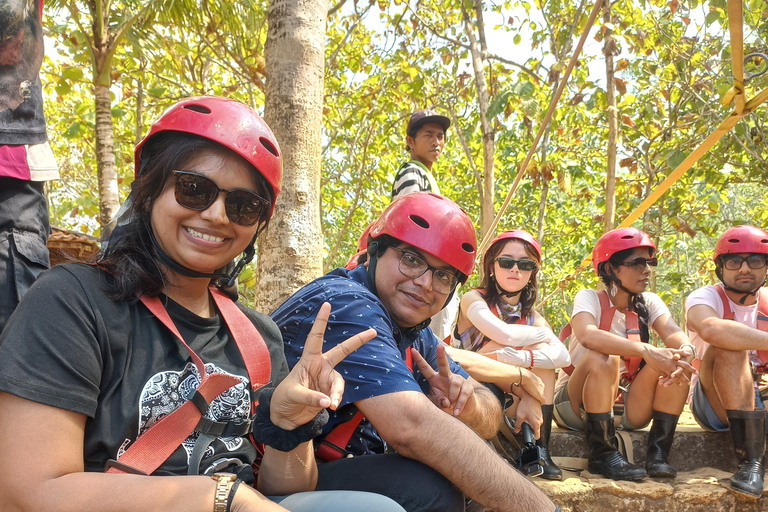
(26, 159)
(425, 140)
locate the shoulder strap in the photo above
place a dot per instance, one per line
(151, 449)
(606, 311)
(334, 445)
(727, 310)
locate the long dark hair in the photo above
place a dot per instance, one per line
(129, 257)
(491, 290)
(638, 301)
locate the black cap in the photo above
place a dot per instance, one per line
(424, 116)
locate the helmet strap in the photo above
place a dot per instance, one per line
(223, 280)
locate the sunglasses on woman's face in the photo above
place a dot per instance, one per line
(522, 265)
(640, 263)
(197, 192)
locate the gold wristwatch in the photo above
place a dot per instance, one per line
(224, 482)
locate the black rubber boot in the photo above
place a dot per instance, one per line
(551, 471)
(748, 433)
(604, 458)
(659, 443)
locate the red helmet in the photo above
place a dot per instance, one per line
(434, 224)
(516, 234)
(229, 123)
(742, 239)
(362, 243)
(619, 240)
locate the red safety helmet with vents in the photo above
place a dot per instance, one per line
(229, 123)
(434, 224)
(516, 234)
(742, 239)
(619, 240)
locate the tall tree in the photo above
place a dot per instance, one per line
(291, 249)
(609, 50)
(105, 26)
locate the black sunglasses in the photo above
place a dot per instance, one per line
(197, 192)
(754, 261)
(640, 263)
(524, 265)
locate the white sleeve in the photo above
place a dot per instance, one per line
(554, 355)
(656, 307)
(707, 296)
(513, 335)
(587, 301)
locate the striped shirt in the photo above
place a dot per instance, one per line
(413, 176)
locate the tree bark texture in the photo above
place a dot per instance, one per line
(483, 97)
(291, 249)
(109, 198)
(613, 123)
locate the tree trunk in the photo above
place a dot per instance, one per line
(291, 249)
(613, 124)
(109, 198)
(483, 97)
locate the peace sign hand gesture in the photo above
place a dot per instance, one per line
(449, 391)
(313, 384)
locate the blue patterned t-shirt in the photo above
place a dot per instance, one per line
(378, 367)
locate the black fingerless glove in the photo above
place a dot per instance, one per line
(266, 432)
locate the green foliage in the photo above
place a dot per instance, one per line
(387, 59)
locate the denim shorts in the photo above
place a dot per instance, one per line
(704, 414)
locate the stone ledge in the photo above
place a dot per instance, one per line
(705, 489)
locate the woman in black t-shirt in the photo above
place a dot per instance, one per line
(138, 364)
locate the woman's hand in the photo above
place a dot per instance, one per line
(532, 385)
(313, 384)
(529, 411)
(665, 360)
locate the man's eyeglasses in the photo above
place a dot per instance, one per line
(198, 192)
(639, 264)
(734, 261)
(509, 263)
(414, 266)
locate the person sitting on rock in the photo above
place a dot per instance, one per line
(729, 326)
(421, 442)
(497, 320)
(610, 346)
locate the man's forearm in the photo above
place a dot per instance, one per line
(730, 335)
(466, 460)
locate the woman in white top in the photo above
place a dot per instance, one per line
(606, 351)
(497, 320)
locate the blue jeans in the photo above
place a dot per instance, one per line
(24, 230)
(337, 501)
(415, 486)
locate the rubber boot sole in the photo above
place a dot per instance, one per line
(745, 493)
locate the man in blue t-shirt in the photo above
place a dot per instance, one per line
(415, 400)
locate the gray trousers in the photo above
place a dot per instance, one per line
(24, 230)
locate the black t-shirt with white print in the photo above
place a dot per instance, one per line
(69, 346)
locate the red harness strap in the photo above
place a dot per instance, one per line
(606, 319)
(333, 446)
(762, 320)
(153, 447)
